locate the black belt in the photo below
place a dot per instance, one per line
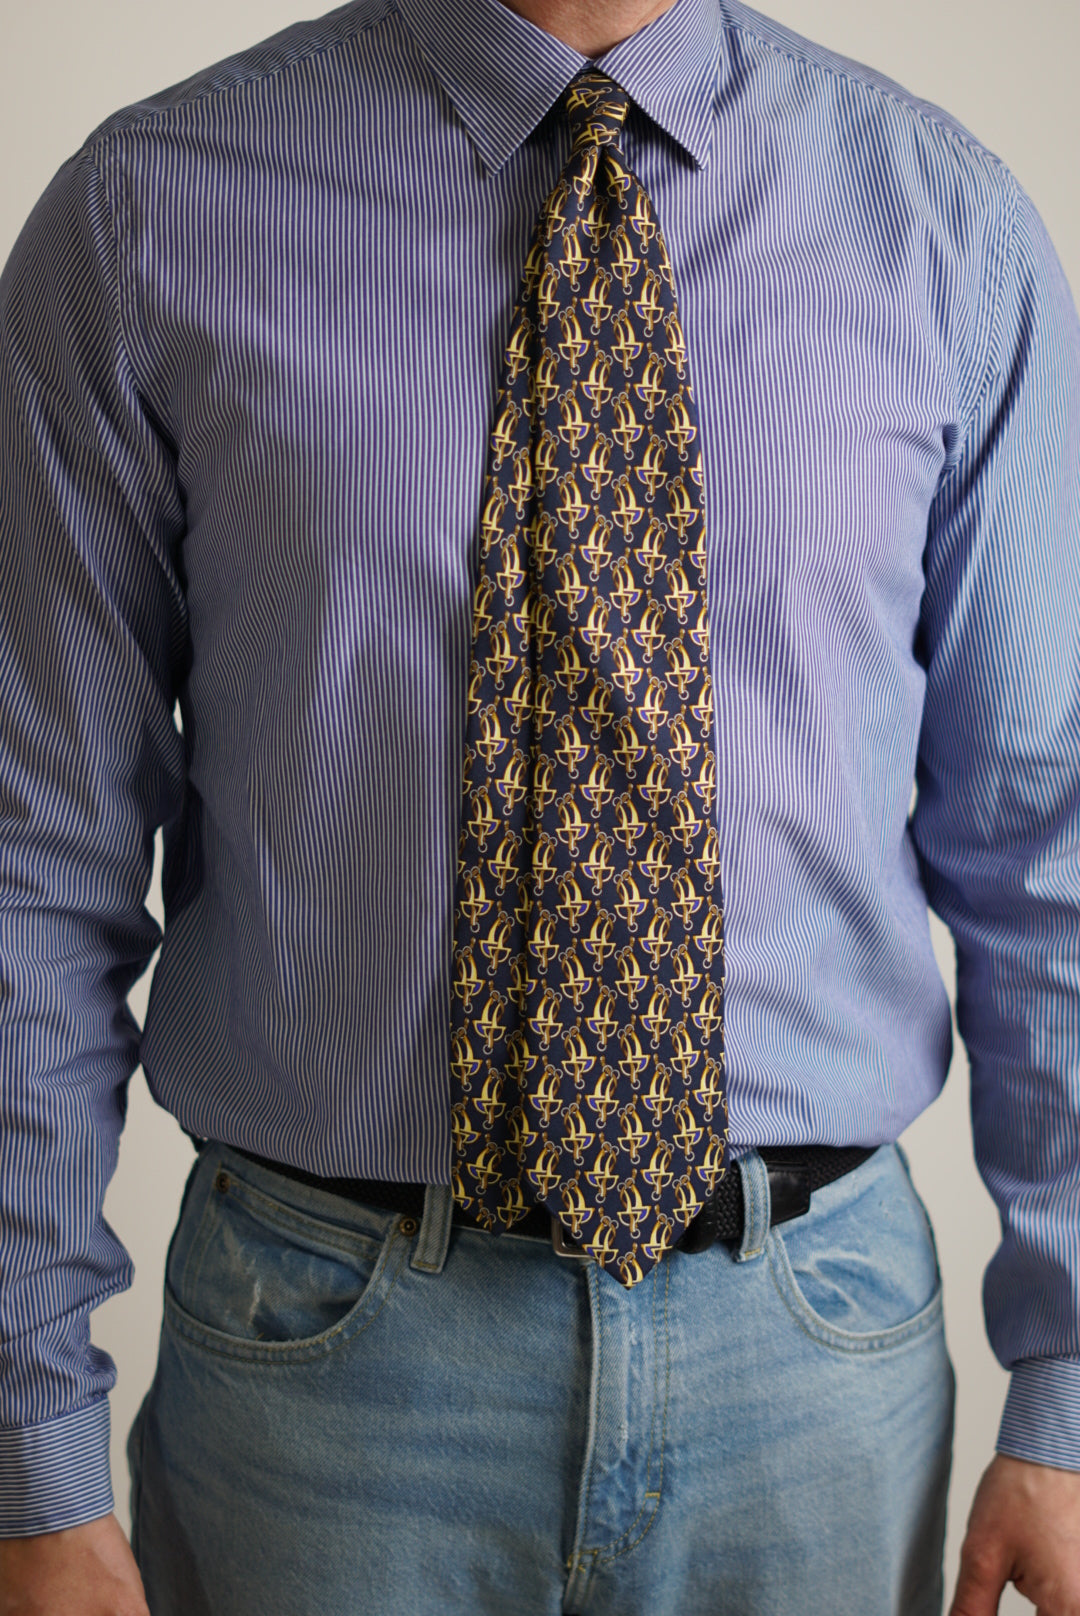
(795, 1172)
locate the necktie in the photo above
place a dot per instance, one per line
(587, 1006)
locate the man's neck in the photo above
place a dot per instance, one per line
(590, 26)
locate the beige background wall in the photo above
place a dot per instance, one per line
(1009, 74)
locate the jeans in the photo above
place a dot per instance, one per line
(354, 1415)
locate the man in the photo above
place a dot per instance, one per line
(250, 347)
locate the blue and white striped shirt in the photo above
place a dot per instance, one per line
(249, 346)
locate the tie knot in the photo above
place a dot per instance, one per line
(597, 110)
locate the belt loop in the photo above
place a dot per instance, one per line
(434, 1237)
(757, 1209)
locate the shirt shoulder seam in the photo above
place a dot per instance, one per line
(878, 86)
(993, 344)
(122, 304)
(112, 128)
(925, 113)
(111, 206)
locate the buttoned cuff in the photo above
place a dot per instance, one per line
(55, 1474)
(1041, 1421)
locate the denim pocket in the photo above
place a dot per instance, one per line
(859, 1272)
(253, 1276)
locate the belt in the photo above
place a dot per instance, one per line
(795, 1172)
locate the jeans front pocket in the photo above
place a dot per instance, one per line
(253, 1274)
(859, 1271)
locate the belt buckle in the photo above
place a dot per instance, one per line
(561, 1243)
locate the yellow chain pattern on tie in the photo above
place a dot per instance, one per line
(587, 1038)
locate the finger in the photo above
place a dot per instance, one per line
(978, 1588)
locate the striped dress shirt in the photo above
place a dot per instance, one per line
(250, 340)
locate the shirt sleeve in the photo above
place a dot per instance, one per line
(997, 821)
(92, 646)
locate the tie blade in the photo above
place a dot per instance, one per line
(587, 1038)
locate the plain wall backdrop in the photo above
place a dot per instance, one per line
(1009, 74)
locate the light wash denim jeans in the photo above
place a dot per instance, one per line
(353, 1416)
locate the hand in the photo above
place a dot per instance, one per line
(1024, 1528)
(82, 1571)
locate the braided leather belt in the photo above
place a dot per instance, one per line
(795, 1172)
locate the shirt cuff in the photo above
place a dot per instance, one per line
(56, 1474)
(1041, 1421)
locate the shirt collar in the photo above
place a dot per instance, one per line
(504, 74)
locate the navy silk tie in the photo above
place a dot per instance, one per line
(587, 1032)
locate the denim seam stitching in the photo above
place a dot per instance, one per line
(745, 1256)
(136, 1481)
(594, 1416)
(847, 1342)
(201, 1243)
(311, 1350)
(654, 1498)
(438, 1249)
(292, 1220)
(204, 1233)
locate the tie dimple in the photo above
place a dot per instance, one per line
(597, 109)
